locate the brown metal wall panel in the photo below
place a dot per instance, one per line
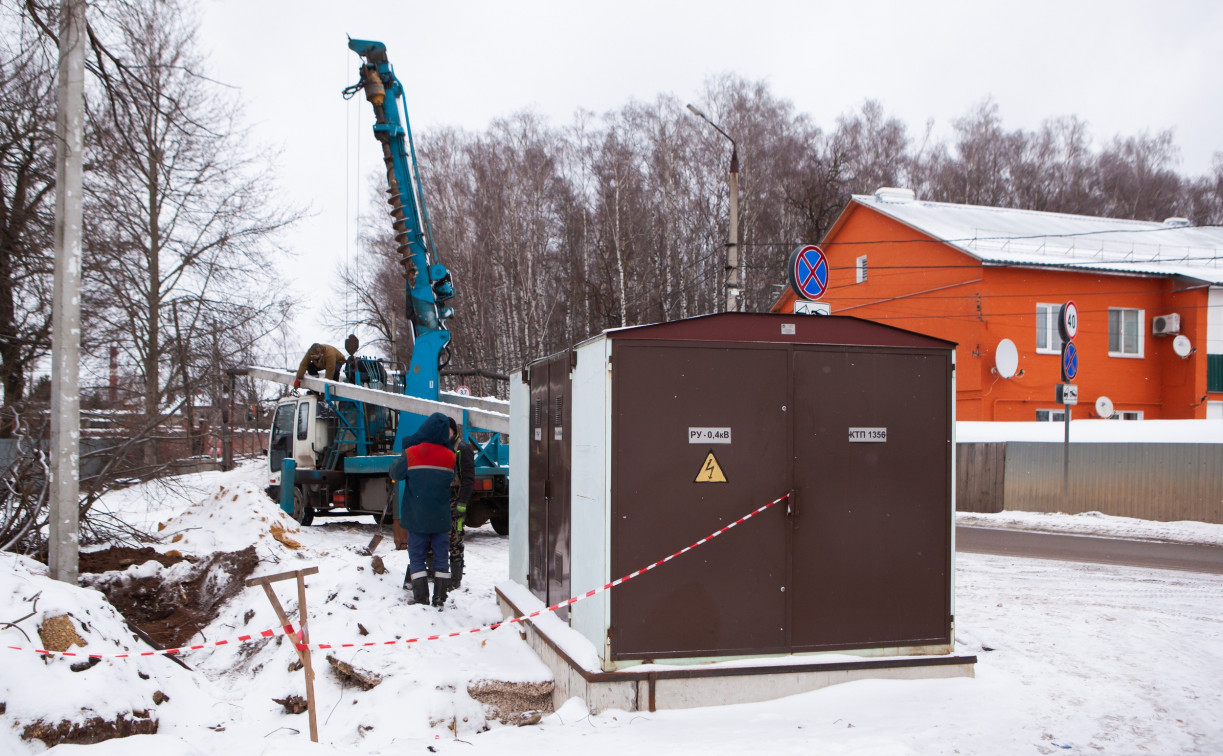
(872, 536)
(726, 596)
(559, 502)
(762, 328)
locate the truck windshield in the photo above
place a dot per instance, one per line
(281, 437)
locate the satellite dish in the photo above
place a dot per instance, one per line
(1104, 407)
(1182, 347)
(1006, 358)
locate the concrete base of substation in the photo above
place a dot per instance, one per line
(691, 686)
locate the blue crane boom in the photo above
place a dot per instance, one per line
(428, 281)
(333, 448)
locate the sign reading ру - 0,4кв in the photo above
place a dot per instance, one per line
(709, 435)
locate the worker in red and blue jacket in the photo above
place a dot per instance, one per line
(427, 468)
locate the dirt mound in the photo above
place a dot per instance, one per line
(93, 730)
(509, 701)
(122, 557)
(172, 610)
(59, 634)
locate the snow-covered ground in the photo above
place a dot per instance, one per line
(1100, 525)
(1071, 658)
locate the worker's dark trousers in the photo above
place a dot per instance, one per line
(418, 545)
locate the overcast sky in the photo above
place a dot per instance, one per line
(1124, 67)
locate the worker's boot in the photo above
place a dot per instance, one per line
(420, 590)
(441, 587)
(456, 572)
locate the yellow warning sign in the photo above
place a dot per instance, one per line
(711, 471)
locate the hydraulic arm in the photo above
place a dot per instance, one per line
(428, 281)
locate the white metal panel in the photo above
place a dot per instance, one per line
(1214, 321)
(590, 512)
(304, 448)
(519, 479)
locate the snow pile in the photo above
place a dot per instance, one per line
(225, 703)
(147, 505)
(1098, 524)
(50, 689)
(232, 518)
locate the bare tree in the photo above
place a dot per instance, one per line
(980, 171)
(875, 146)
(373, 289)
(1136, 177)
(180, 209)
(27, 181)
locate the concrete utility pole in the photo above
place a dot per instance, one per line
(732, 243)
(63, 556)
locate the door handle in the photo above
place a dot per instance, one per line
(792, 504)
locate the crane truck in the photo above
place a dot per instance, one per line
(330, 449)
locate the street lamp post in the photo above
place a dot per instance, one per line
(732, 243)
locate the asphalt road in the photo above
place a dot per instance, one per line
(1159, 555)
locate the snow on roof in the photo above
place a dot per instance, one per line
(1028, 237)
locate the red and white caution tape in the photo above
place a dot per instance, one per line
(291, 633)
(554, 607)
(285, 630)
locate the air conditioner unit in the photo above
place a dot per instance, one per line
(1166, 325)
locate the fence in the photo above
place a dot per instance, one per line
(172, 450)
(1164, 482)
(92, 460)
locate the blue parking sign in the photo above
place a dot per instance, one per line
(1070, 361)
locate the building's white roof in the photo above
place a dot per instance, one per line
(1027, 237)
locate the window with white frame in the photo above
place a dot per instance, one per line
(1048, 340)
(1127, 415)
(861, 268)
(1050, 415)
(1125, 332)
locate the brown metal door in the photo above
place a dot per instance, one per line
(726, 596)
(871, 548)
(548, 512)
(537, 511)
(557, 529)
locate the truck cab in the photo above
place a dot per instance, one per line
(300, 431)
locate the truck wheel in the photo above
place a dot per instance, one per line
(501, 525)
(302, 512)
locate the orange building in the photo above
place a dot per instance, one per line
(1149, 299)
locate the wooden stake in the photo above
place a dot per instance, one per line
(302, 636)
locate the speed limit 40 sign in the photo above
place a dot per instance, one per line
(1068, 321)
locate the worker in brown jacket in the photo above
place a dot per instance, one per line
(320, 358)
